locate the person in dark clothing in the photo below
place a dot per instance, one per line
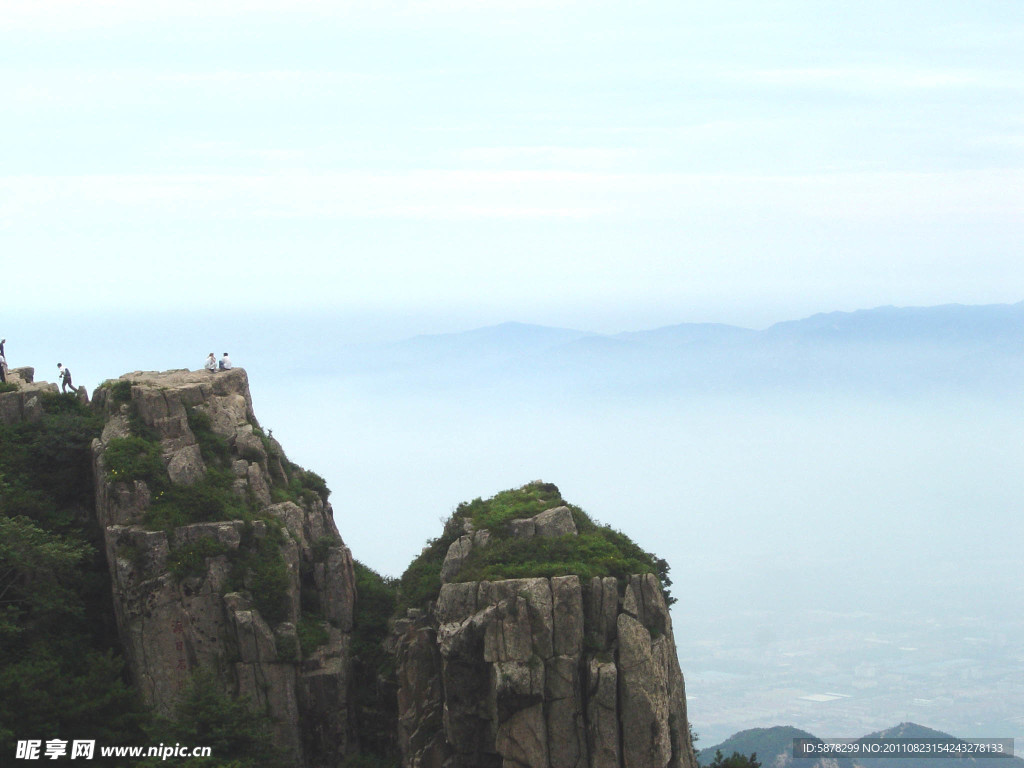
(3, 363)
(65, 379)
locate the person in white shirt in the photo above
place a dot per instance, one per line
(225, 362)
(211, 363)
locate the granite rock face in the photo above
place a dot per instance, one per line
(542, 672)
(222, 554)
(23, 403)
(227, 595)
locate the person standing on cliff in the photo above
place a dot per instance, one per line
(211, 363)
(3, 363)
(65, 380)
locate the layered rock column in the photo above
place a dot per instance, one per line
(545, 673)
(173, 625)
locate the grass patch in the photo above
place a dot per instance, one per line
(8, 386)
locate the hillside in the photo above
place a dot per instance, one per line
(895, 350)
(774, 747)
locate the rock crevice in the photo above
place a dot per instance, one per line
(542, 672)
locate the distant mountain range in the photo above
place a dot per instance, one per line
(899, 350)
(774, 749)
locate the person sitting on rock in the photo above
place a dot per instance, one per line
(65, 380)
(225, 362)
(211, 363)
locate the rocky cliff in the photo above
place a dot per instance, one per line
(528, 634)
(220, 553)
(547, 672)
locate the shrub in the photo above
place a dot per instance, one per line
(527, 501)
(586, 555)
(214, 448)
(207, 716)
(190, 559)
(287, 648)
(120, 391)
(56, 584)
(133, 458)
(260, 565)
(210, 499)
(313, 633)
(421, 581)
(8, 386)
(322, 547)
(375, 706)
(597, 550)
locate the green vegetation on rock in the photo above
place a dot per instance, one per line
(495, 513)
(597, 550)
(190, 559)
(259, 566)
(133, 458)
(374, 708)
(312, 631)
(55, 644)
(238, 735)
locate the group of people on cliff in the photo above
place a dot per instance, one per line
(64, 374)
(213, 365)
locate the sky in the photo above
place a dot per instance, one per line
(442, 164)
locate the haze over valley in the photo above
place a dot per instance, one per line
(839, 498)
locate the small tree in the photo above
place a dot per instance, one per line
(736, 760)
(208, 717)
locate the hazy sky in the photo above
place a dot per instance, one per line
(595, 164)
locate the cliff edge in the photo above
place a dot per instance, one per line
(223, 556)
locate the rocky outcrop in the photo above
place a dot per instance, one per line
(549, 523)
(224, 558)
(24, 403)
(542, 672)
(192, 591)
